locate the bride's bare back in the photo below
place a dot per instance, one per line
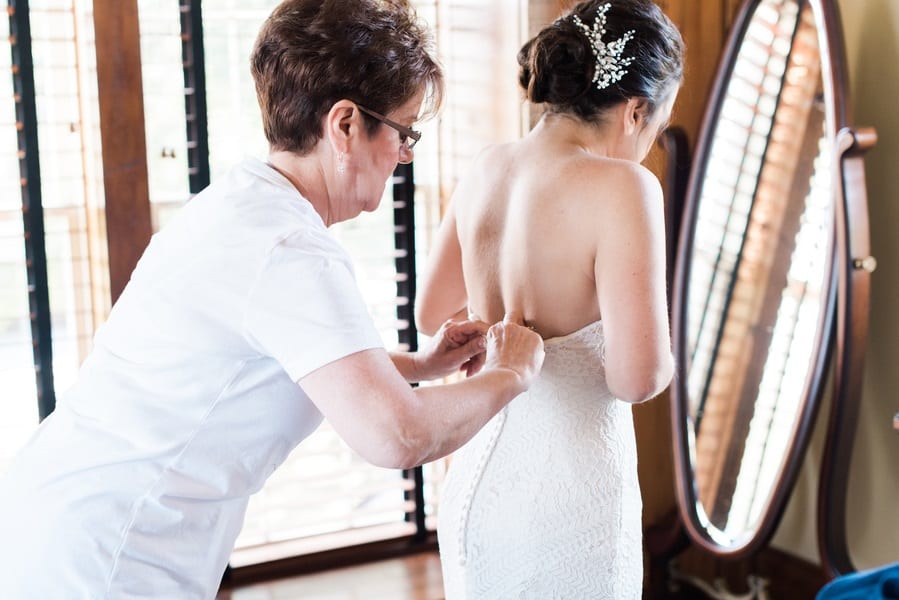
(529, 234)
(553, 228)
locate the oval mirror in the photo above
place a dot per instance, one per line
(755, 281)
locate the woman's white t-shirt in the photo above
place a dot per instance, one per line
(137, 485)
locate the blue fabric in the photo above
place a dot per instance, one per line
(882, 582)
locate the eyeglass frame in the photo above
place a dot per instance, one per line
(412, 136)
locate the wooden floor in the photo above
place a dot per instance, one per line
(415, 577)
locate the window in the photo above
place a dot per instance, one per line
(64, 217)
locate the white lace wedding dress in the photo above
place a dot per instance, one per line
(544, 502)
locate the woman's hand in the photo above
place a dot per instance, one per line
(514, 347)
(394, 425)
(457, 345)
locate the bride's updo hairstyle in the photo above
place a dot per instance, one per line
(558, 67)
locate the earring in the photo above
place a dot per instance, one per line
(341, 167)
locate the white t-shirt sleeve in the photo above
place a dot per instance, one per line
(305, 310)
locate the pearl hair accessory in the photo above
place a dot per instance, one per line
(610, 65)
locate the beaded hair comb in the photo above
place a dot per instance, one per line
(610, 65)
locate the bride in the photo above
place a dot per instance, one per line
(565, 228)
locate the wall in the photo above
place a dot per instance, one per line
(871, 30)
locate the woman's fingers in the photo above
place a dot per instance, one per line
(462, 332)
(515, 347)
(454, 334)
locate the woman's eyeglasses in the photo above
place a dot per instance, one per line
(408, 136)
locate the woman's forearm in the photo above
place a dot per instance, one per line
(407, 364)
(447, 416)
(393, 425)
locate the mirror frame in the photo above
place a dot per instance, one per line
(854, 267)
(845, 310)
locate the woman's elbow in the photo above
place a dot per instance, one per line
(395, 446)
(395, 457)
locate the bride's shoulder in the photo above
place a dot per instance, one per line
(590, 177)
(602, 168)
(494, 151)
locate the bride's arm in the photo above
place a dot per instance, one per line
(441, 291)
(631, 287)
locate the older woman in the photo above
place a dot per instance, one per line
(242, 327)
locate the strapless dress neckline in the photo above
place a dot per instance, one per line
(588, 329)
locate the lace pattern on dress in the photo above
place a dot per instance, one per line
(544, 502)
(564, 354)
(497, 428)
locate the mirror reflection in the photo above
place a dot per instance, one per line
(760, 270)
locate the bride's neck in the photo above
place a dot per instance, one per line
(569, 130)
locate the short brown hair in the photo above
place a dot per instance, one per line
(310, 54)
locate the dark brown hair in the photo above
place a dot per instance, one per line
(310, 54)
(558, 64)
